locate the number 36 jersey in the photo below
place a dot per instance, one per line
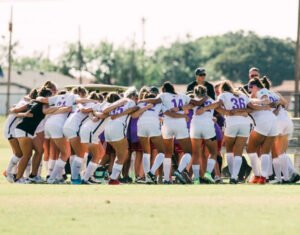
(230, 102)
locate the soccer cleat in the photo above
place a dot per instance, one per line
(263, 180)
(167, 182)
(254, 180)
(140, 180)
(294, 178)
(196, 181)
(76, 181)
(20, 181)
(188, 179)
(85, 182)
(179, 177)
(126, 180)
(208, 177)
(53, 181)
(233, 181)
(35, 180)
(218, 180)
(93, 180)
(10, 178)
(114, 182)
(274, 181)
(203, 181)
(150, 178)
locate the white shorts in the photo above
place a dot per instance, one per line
(240, 130)
(148, 129)
(20, 133)
(175, 128)
(70, 133)
(9, 129)
(285, 126)
(115, 131)
(41, 127)
(53, 131)
(200, 130)
(266, 127)
(90, 134)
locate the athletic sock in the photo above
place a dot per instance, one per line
(71, 159)
(270, 167)
(196, 171)
(51, 165)
(12, 165)
(90, 170)
(76, 167)
(264, 165)
(40, 168)
(167, 168)
(210, 165)
(277, 168)
(284, 166)
(290, 165)
(28, 169)
(254, 163)
(157, 162)
(58, 169)
(229, 158)
(116, 170)
(237, 163)
(146, 162)
(184, 162)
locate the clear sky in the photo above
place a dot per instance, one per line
(39, 25)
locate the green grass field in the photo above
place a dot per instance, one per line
(143, 209)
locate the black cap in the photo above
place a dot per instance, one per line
(154, 90)
(200, 71)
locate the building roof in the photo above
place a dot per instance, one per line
(287, 86)
(34, 79)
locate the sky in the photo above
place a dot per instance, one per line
(47, 25)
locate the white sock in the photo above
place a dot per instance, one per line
(210, 165)
(71, 159)
(277, 168)
(28, 169)
(237, 163)
(167, 168)
(290, 165)
(184, 162)
(264, 165)
(76, 167)
(157, 162)
(90, 170)
(254, 163)
(12, 165)
(51, 165)
(229, 158)
(58, 169)
(146, 162)
(40, 168)
(196, 171)
(284, 166)
(270, 167)
(116, 170)
(84, 163)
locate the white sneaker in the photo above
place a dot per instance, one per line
(276, 181)
(52, 181)
(10, 178)
(21, 181)
(35, 180)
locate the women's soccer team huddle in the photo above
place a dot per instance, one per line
(169, 135)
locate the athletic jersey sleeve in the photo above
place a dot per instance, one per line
(52, 100)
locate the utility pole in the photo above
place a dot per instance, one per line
(79, 55)
(297, 67)
(143, 50)
(10, 29)
(131, 77)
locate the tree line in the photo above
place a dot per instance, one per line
(227, 56)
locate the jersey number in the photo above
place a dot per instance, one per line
(238, 103)
(175, 104)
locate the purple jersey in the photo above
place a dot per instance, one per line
(132, 131)
(219, 134)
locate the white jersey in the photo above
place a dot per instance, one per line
(170, 101)
(66, 100)
(231, 102)
(77, 118)
(152, 114)
(206, 116)
(130, 103)
(263, 114)
(12, 121)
